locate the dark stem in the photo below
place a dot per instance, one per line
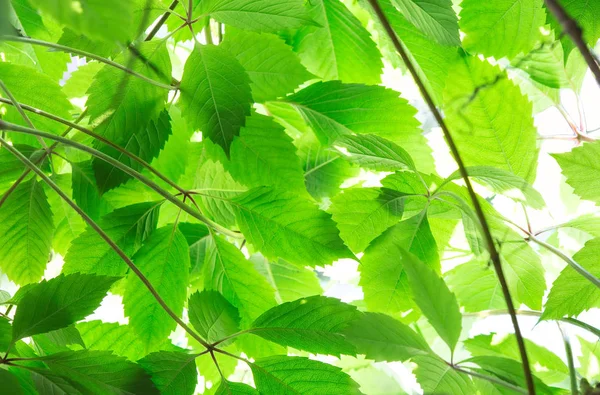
(106, 238)
(491, 247)
(161, 21)
(570, 361)
(570, 26)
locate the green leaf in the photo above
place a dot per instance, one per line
(258, 15)
(165, 261)
(81, 79)
(215, 94)
(10, 383)
(435, 18)
(11, 167)
(579, 167)
(145, 143)
(589, 223)
(68, 223)
(502, 181)
(274, 69)
(296, 375)
(120, 339)
(333, 109)
(571, 293)
(373, 152)
(383, 276)
(114, 96)
(545, 64)
(128, 227)
(5, 334)
(494, 127)
(227, 271)
(435, 300)
(586, 14)
(213, 316)
(232, 388)
(504, 28)
(508, 370)
(290, 281)
(381, 338)
(45, 381)
(26, 228)
(263, 154)
(476, 287)
(362, 214)
(340, 48)
(99, 19)
(22, 81)
(172, 372)
(100, 372)
(57, 340)
(58, 303)
(312, 324)
(281, 224)
(324, 170)
(85, 190)
(436, 377)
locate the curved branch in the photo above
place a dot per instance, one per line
(88, 55)
(74, 125)
(491, 247)
(106, 238)
(100, 155)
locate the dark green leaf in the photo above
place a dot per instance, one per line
(172, 372)
(213, 316)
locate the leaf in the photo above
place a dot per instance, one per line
(579, 167)
(312, 324)
(99, 19)
(297, 375)
(340, 48)
(494, 127)
(589, 223)
(5, 334)
(435, 18)
(22, 81)
(437, 377)
(258, 15)
(333, 109)
(281, 224)
(114, 96)
(571, 293)
(57, 340)
(373, 152)
(100, 372)
(215, 94)
(171, 372)
(585, 13)
(58, 303)
(508, 370)
(232, 388)
(227, 271)
(383, 277)
(290, 282)
(26, 228)
(110, 336)
(435, 300)
(213, 316)
(11, 167)
(47, 382)
(273, 68)
(263, 154)
(362, 214)
(545, 64)
(85, 190)
(165, 261)
(476, 287)
(81, 79)
(128, 227)
(145, 143)
(10, 384)
(502, 181)
(68, 224)
(501, 29)
(382, 338)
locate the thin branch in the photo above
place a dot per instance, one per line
(88, 55)
(161, 21)
(100, 155)
(534, 313)
(491, 247)
(74, 125)
(106, 238)
(570, 26)
(578, 268)
(491, 379)
(570, 361)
